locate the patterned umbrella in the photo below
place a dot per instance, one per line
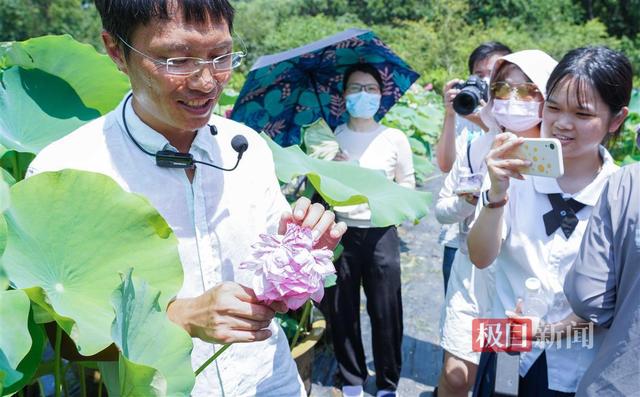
(290, 89)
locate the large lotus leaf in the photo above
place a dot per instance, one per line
(70, 235)
(37, 108)
(29, 364)
(92, 76)
(15, 340)
(14, 163)
(423, 167)
(4, 280)
(8, 375)
(341, 183)
(155, 353)
(319, 140)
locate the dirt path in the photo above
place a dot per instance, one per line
(422, 294)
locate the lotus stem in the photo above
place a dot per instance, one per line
(100, 387)
(57, 361)
(301, 324)
(83, 381)
(212, 358)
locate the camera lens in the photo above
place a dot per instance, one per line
(552, 146)
(465, 102)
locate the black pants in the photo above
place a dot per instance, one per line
(534, 384)
(371, 257)
(447, 262)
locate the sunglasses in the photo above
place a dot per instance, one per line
(524, 91)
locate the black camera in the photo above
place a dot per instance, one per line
(471, 92)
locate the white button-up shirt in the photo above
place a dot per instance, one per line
(527, 251)
(216, 219)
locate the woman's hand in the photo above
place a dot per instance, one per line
(342, 155)
(502, 164)
(469, 198)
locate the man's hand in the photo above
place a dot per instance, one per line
(326, 233)
(448, 93)
(227, 313)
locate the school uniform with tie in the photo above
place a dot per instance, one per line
(542, 240)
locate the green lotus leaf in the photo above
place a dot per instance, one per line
(341, 183)
(14, 163)
(32, 112)
(417, 147)
(4, 280)
(93, 76)
(30, 363)
(319, 141)
(15, 340)
(155, 355)
(423, 167)
(70, 235)
(6, 177)
(8, 375)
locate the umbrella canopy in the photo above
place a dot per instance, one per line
(290, 89)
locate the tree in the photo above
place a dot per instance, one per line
(23, 19)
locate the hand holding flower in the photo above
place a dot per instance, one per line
(326, 233)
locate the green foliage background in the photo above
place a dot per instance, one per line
(434, 36)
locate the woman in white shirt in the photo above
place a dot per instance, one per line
(371, 255)
(520, 77)
(533, 226)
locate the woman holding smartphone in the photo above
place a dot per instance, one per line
(515, 95)
(532, 227)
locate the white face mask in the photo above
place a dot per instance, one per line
(516, 115)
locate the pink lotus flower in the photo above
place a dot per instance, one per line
(286, 268)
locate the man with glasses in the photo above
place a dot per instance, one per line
(178, 56)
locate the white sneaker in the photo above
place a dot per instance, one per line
(352, 391)
(386, 393)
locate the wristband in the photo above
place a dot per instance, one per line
(489, 204)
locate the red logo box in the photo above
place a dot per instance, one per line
(501, 335)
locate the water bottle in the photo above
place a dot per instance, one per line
(535, 306)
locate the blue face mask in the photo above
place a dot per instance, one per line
(363, 105)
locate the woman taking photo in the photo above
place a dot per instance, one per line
(517, 82)
(371, 255)
(587, 97)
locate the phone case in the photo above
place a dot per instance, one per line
(546, 156)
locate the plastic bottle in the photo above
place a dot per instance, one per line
(535, 306)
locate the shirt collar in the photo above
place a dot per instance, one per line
(590, 194)
(150, 139)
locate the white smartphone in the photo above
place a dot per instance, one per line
(545, 155)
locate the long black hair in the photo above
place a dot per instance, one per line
(607, 70)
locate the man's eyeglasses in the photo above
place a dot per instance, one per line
(524, 91)
(184, 66)
(354, 88)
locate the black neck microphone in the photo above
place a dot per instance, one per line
(173, 159)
